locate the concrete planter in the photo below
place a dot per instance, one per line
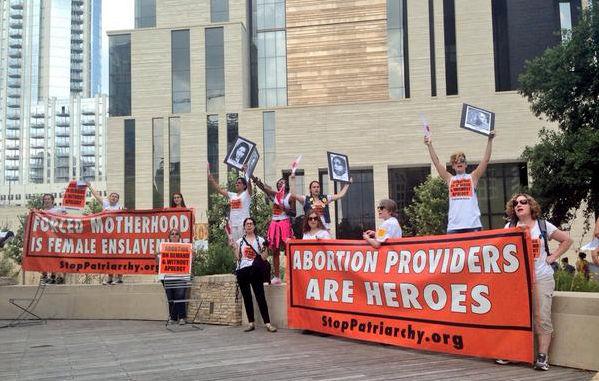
(7, 281)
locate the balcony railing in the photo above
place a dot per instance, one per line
(16, 4)
(15, 43)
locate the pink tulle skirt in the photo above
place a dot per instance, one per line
(278, 232)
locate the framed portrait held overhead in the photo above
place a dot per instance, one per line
(477, 119)
(338, 167)
(240, 152)
(251, 164)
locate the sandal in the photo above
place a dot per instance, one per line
(271, 328)
(250, 328)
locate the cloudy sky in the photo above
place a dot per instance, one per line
(116, 15)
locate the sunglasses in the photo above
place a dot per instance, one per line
(380, 207)
(521, 202)
(313, 218)
(460, 161)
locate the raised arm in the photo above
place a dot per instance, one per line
(597, 228)
(292, 195)
(482, 167)
(435, 159)
(216, 186)
(263, 187)
(564, 244)
(337, 196)
(94, 193)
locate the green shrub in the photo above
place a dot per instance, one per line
(427, 214)
(565, 281)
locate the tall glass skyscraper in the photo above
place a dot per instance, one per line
(52, 112)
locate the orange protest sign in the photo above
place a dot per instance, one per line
(467, 294)
(122, 241)
(74, 195)
(175, 259)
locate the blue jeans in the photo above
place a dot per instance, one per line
(468, 230)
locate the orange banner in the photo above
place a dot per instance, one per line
(119, 241)
(465, 293)
(74, 195)
(175, 259)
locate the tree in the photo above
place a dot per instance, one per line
(562, 85)
(427, 214)
(14, 247)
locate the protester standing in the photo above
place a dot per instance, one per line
(48, 205)
(313, 226)
(177, 311)
(523, 211)
(582, 265)
(177, 200)
(390, 227)
(250, 255)
(239, 203)
(107, 205)
(464, 214)
(279, 230)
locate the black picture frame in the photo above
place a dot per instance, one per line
(338, 167)
(234, 158)
(477, 119)
(252, 162)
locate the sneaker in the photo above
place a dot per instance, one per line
(181, 321)
(275, 280)
(541, 362)
(118, 281)
(502, 362)
(45, 280)
(60, 280)
(250, 328)
(107, 282)
(170, 321)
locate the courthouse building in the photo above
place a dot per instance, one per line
(310, 76)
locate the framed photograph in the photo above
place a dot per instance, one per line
(240, 153)
(338, 167)
(477, 119)
(252, 163)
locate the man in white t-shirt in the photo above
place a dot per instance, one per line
(464, 214)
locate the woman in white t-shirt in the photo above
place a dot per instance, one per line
(390, 228)
(523, 211)
(249, 253)
(239, 203)
(313, 226)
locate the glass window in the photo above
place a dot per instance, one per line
(402, 182)
(355, 213)
(565, 18)
(219, 10)
(174, 143)
(145, 13)
(158, 162)
(269, 139)
(215, 70)
(120, 75)
(397, 49)
(129, 170)
(180, 89)
(431, 33)
(451, 62)
(232, 133)
(212, 145)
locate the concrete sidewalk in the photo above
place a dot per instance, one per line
(146, 350)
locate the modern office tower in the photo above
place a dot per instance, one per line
(49, 84)
(310, 76)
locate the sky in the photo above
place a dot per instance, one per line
(116, 15)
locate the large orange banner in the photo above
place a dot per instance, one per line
(467, 294)
(120, 241)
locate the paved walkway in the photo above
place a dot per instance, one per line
(145, 350)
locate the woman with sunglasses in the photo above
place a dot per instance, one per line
(523, 211)
(464, 214)
(320, 202)
(249, 253)
(279, 230)
(177, 311)
(239, 203)
(390, 228)
(177, 200)
(313, 226)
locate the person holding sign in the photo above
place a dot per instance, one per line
(523, 211)
(111, 204)
(389, 229)
(464, 214)
(279, 230)
(320, 202)
(250, 255)
(313, 226)
(177, 200)
(239, 202)
(48, 205)
(177, 311)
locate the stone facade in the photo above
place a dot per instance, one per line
(217, 298)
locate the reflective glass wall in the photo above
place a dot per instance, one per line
(215, 69)
(180, 89)
(120, 75)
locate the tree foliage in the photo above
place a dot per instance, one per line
(14, 248)
(562, 85)
(427, 214)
